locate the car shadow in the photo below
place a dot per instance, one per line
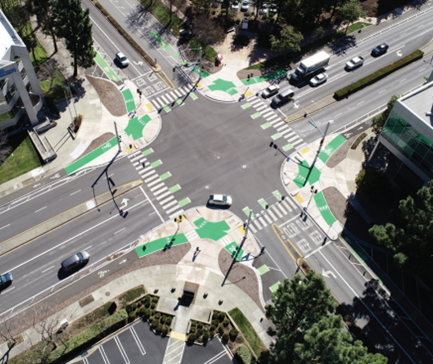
(5, 286)
(213, 207)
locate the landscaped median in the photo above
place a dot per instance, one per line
(122, 31)
(378, 75)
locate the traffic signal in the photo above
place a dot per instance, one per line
(282, 198)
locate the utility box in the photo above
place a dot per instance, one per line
(189, 293)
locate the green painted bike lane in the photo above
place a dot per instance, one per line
(135, 126)
(267, 77)
(161, 41)
(129, 100)
(324, 208)
(306, 174)
(331, 148)
(91, 156)
(106, 68)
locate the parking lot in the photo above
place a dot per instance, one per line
(138, 344)
(213, 352)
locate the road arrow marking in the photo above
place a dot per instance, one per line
(328, 273)
(123, 261)
(57, 175)
(124, 201)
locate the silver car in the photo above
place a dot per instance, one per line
(122, 59)
(220, 200)
(235, 5)
(75, 261)
(270, 91)
(319, 79)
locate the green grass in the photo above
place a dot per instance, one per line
(248, 331)
(94, 316)
(281, 59)
(24, 159)
(131, 295)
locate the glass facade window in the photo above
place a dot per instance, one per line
(3, 82)
(415, 146)
(11, 93)
(23, 73)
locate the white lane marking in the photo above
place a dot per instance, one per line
(104, 356)
(5, 226)
(131, 64)
(74, 237)
(422, 69)
(366, 306)
(121, 349)
(137, 340)
(117, 232)
(86, 249)
(359, 103)
(402, 80)
(216, 357)
(337, 115)
(73, 193)
(43, 208)
(382, 91)
(46, 270)
(148, 199)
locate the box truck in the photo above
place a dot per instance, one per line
(310, 65)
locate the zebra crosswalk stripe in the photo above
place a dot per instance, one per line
(273, 117)
(156, 103)
(177, 93)
(279, 124)
(262, 221)
(296, 142)
(275, 209)
(156, 193)
(257, 223)
(154, 188)
(173, 95)
(266, 115)
(167, 205)
(265, 215)
(286, 131)
(252, 228)
(177, 207)
(177, 213)
(164, 99)
(150, 178)
(271, 214)
(281, 209)
(147, 174)
(153, 183)
(166, 200)
(261, 107)
(282, 128)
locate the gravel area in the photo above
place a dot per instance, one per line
(346, 213)
(110, 96)
(96, 143)
(341, 153)
(240, 275)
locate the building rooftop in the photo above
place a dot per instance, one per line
(8, 35)
(420, 102)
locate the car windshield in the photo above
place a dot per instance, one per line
(2, 279)
(123, 58)
(80, 256)
(225, 198)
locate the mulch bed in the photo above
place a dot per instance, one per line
(240, 275)
(110, 96)
(341, 153)
(96, 143)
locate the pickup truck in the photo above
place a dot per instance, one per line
(354, 63)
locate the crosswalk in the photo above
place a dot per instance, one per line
(172, 96)
(155, 182)
(272, 214)
(274, 120)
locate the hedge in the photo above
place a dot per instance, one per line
(122, 31)
(378, 75)
(88, 337)
(243, 355)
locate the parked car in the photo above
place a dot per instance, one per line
(380, 49)
(122, 59)
(220, 200)
(235, 5)
(319, 79)
(75, 261)
(5, 280)
(245, 5)
(215, 4)
(270, 91)
(273, 8)
(354, 63)
(264, 9)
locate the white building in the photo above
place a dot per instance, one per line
(408, 134)
(20, 94)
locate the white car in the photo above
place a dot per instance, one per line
(319, 79)
(122, 59)
(273, 8)
(235, 5)
(270, 91)
(245, 5)
(220, 200)
(354, 63)
(264, 9)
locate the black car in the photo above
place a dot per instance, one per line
(380, 49)
(5, 280)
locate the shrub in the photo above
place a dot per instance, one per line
(141, 311)
(128, 308)
(215, 323)
(206, 336)
(134, 306)
(226, 322)
(221, 316)
(358, 140)
(243, 355)
(206, 328)
(213, 12)
(373, 185)
(132, 315)
(241, 40)
(247, 13)
(165, 330)
(214, 315)
(211, 333)
(158, 315)
(193, 323)
(155, 299)
(155, 323)
(163, 318)
(153, 305)
(139, 303)
(221, 330)
(191, 337)
(192, 329)
(200, 325)
(212, 327)
(233, 334)
(147, 304)
(376, 76)
(226, 338)
(168, 321)
(158, 329)
(200, 339)
(146, 299)
(271, 15)
(199, 333)
(264, 16)
(147, 312)
(89, 336)
(233, 13)
(237, 21)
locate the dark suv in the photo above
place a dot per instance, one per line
(380, 49)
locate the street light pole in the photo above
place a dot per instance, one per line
(313, 192)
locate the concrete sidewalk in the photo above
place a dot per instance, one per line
(212, 231)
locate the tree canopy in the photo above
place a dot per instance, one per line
(379, 120)
(409, 236)
(289, 39)
(307, 331)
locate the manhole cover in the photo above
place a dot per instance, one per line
(207, 187)
(244, 166)
(107, 293)
(218, 157)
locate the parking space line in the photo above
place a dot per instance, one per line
(137, 340)
(104, 356)
(121, 349)
(216, 357)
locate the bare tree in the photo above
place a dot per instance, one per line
(11, 329)
(208, 33)
(5, 148)
(178, 4)
(47, 71)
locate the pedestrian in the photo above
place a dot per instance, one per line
(197, 250)
(143, 164)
